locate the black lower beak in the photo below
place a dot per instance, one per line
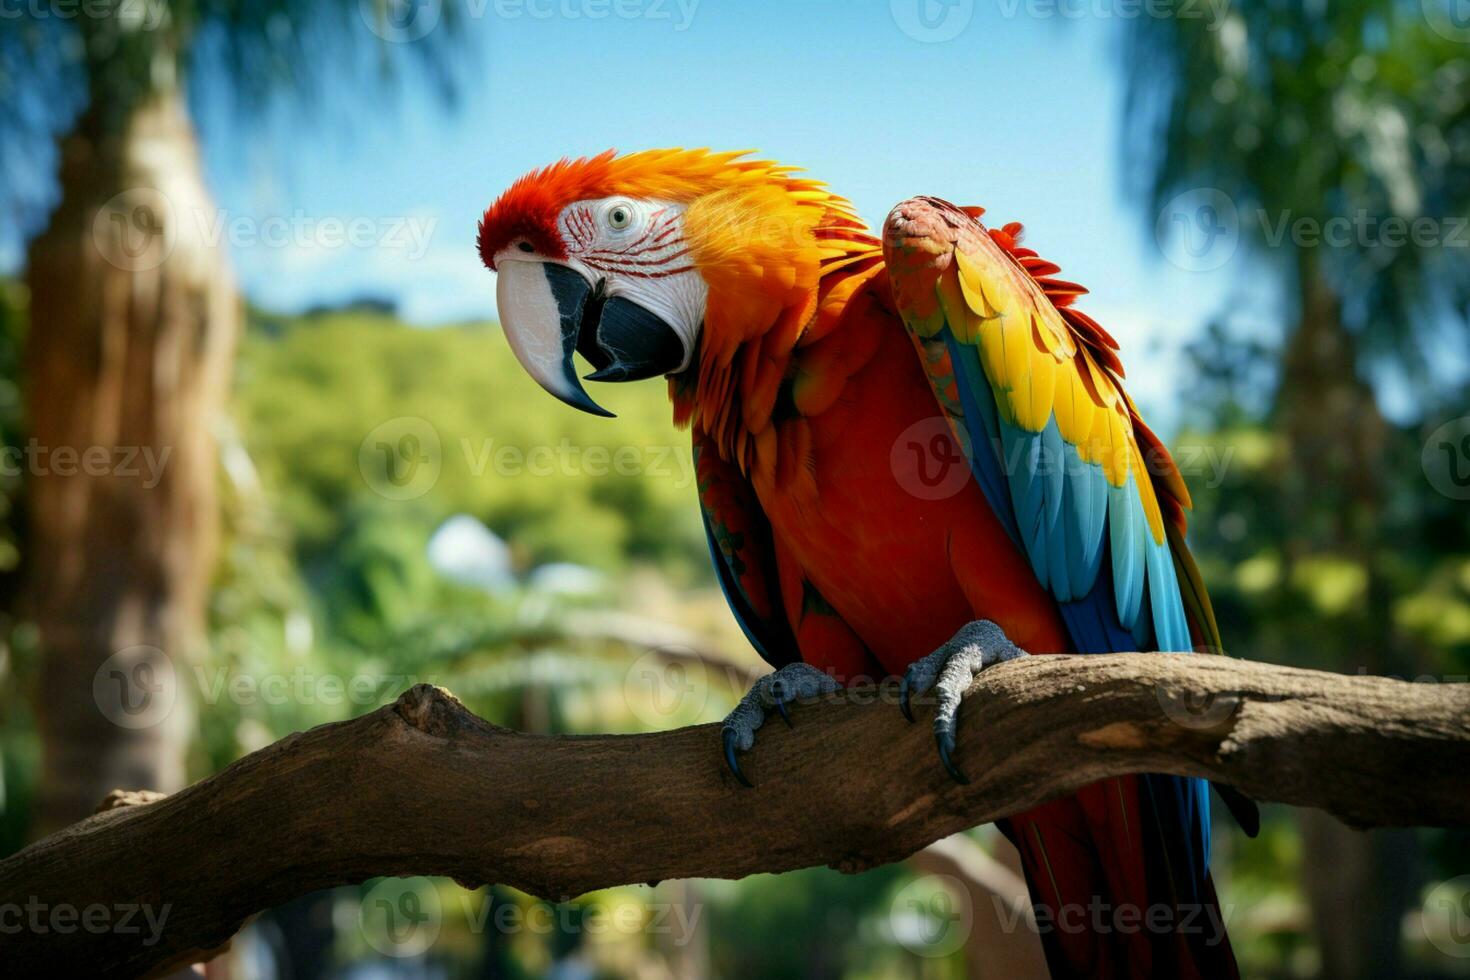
(573, 295)
(632, 343)
(620, 339)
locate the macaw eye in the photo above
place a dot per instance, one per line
(619, 217)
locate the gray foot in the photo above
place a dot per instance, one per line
(949, 672)
(794, 682)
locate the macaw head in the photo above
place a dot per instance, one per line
(650, 264)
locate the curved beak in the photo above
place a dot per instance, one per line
(550, 311)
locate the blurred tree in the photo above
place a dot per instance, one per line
(1334, 139)
(556, 485)
(133, 321)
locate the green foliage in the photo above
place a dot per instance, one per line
(316, 396)
(326, 604)
(812, 923)
(19, 746)
(1323, 542)
(1309, 607)
(12, 424)
(1349, 109)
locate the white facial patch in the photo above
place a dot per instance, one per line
(638, 249)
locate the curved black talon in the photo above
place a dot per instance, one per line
(904, 689)
(945, 741)
(732, 762)
(780, 703)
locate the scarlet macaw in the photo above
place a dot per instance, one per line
(806, 355)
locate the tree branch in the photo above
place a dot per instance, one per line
(423, 787)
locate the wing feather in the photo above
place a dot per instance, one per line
(741, 548)
(1061, 456)
(1034, 390)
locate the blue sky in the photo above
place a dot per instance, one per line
(1017, 111)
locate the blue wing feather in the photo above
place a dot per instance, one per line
(1085, 521)
(1125, 533)
(982, 422)
(1089, 543)
(1094, 626)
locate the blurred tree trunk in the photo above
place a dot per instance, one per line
(1003, 943)
(133, 323)
(1357, 884)
(1334, 431)
(686, 953)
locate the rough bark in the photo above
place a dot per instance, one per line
(133, 316)
(423, 787)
